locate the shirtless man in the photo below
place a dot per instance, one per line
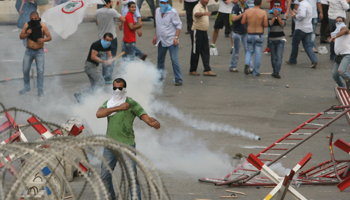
(36, 34)
(256, 19)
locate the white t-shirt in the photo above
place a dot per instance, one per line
(106, 18)
(225, 8)
(342, 45)
(337, 8)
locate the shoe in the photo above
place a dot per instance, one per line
(302, 50)
(246, 69)
(258, 74)
(78, 97)
(324, 42)
(314, 65)
(212, 46)
(209, 73)
(178, 83)
(144, 56)
(267, 50)
(234, 70)
(227, 35)
(291, 35)
(231, 51)
(317, 34)
(194, 73)
(276, 75)
(289, 63)
(250, 71)
(23, 91)
(41, 94)
(315, 50)
(187, 32)
(108, 82)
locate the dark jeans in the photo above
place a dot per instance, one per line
(150, 4)
(324, 31)
(276, 49)
(107, 71)
(305, 38)
(201, 47)
(189, 18)
(331, 45)
(293, 22)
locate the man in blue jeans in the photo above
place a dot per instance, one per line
(121, 111)
(36, 34)
(341, 39)
(256, 18)
(168, 27)
(303, 32)
(239, 34)
(277, 21)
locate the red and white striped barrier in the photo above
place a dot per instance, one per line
(282, 183)
(341, 144)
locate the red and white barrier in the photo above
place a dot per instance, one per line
(341, 144)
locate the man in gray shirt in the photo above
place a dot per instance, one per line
(105, 20)
(168, 27)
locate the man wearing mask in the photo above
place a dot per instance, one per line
(341, 39)
(92, 62)
(168, 27)
(121, 111)
(36, 34)
(105, 20)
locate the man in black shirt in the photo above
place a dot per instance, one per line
(92, 62)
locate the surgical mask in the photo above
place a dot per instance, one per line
(34, 23)
(340, 24)
(164, 8)
(105, 44)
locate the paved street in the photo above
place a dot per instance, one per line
(181, 150)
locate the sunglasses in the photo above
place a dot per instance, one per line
(119, 88)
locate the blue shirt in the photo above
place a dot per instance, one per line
(237, 27)
(166, 26)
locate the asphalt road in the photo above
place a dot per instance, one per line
(260, 105)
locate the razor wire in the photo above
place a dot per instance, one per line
(23, 176)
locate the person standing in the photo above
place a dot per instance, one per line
(189, 5)
(303, 32)
(121, 111)
(92, 62)
(43, 6)
(36, 34)
(25, 10)
(223, 18)
(256, 18)
(239, 33)
(337, 8)
(341, 39)
(324, 30)
(105, 21)
(129, 40)
(277, 21)
(168, 27)
(199, 33)
(150, 4)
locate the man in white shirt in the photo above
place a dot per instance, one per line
(341, 39)
(303, 32)
(168, 27)
(336, 9)
(105, 21)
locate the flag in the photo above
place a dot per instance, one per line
(66, 17)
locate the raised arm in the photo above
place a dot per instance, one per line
(150, 121)
(104, 112)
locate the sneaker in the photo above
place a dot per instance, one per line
(246, 69)
(315, 50)
(231, 51)
(212, 46)
(23, 91)
(178, 83)
(209, 73)
(314, 65)
(41, 94)
(194, 73)
(267, 50)
(289, 63)
(78, 97)
(108, 82)
(234, 70)
(144, 56)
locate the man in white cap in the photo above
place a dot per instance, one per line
(168, 27)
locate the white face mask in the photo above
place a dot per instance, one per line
(118, 98)
(340, 24)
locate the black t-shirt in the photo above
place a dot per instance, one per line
(237, 27)
(97, 46)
